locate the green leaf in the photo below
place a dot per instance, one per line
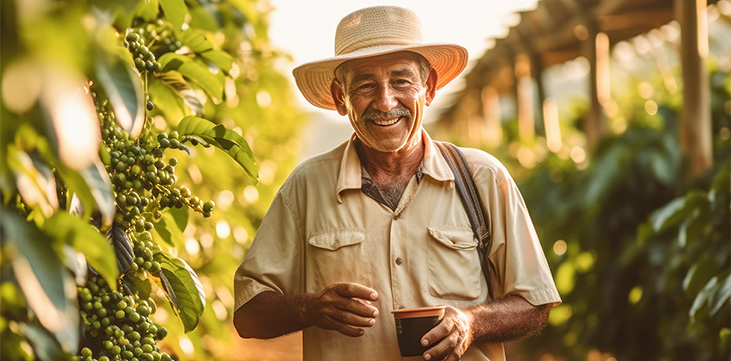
(221, 59)
(175, 82)
(186, 287)
(180, 216)
(123, 87)
(722, 296)
(148, 10)
(704, 297)
(169, 230)
(97, 178)
(196, 40)
(42, 277)
(167, 101)
(698, 274)
(175, 11)
(86, 239)
(202, 19)
(225, 139)
(668, 215)
(195, 72)
(142, 287)
(45, 345)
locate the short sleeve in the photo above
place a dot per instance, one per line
(274, 262)
(515, 253)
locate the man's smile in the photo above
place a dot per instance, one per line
(386, 121)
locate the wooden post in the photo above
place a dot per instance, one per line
(597, 52)
(695, 116)
(491, 115)
(524, 97)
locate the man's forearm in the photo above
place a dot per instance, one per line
(271, 314)
(506, 319)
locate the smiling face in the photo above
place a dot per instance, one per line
(384, 97)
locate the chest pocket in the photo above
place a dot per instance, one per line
(454, 266)
(336, 256)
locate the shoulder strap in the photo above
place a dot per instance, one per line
(470, 199)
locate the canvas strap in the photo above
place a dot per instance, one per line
(470, 199)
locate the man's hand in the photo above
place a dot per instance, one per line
(450, 339)
(344, 307)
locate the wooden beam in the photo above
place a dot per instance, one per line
(695, 115)
(597, 52)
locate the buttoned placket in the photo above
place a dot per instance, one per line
(399, 237)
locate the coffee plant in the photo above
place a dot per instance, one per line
(114, 114)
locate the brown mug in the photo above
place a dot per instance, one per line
(412, 324)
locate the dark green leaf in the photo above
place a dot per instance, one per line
(186, 287)
(123, 87)
(225, 139)
(698, 274)
(86, 239)
(722, 295)
(195, 72)
(704, 297)
(668, 215)
(175, 11)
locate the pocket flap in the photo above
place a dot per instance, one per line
(337, 239)
(453, 237)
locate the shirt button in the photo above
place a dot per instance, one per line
(399, 261)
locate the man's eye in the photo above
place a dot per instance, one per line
(402, 82)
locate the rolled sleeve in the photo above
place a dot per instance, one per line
(274, 261)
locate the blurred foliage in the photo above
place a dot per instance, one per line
(640, 256)
(78, 86)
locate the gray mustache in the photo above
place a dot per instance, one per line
(399, 111)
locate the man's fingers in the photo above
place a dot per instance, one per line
(352, 319)
(355, 290)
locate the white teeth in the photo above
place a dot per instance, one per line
(386, 122)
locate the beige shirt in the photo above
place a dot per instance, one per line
(322, 229)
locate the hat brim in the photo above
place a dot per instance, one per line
(314, 78)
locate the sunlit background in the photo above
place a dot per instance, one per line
(613, 116)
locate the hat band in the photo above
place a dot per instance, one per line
(376, 42)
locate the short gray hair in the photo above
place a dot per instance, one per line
(424, 68)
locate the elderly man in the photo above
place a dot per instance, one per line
(376, 224)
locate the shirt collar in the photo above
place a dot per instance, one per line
(349, 176)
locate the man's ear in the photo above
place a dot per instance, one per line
(431, 86)
(338, 94)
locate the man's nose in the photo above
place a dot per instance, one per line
(385, 99)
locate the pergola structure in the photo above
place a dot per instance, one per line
(557, 31)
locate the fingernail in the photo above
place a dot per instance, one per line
(427, 356)
(374, 296)
(371, 322)
(361, 332)
(375, 313)
(424, 342)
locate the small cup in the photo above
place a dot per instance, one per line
(412, 324)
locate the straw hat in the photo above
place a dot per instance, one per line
(375, 31)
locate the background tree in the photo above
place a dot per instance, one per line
(118, 119)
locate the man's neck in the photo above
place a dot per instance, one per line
(391, 167)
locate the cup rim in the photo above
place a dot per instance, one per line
(419, 312)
